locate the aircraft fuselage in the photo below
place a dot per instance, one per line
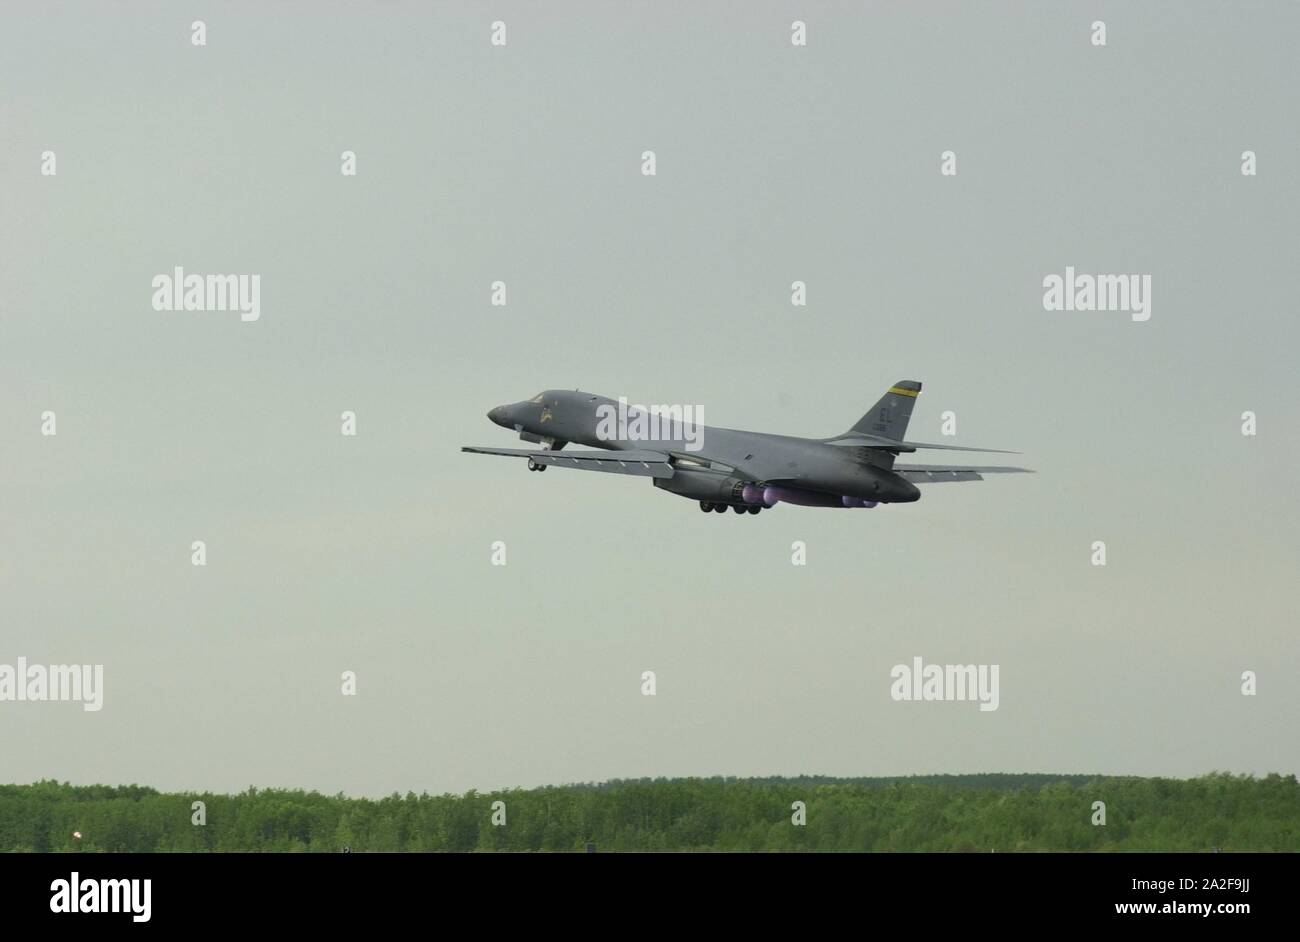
(714, 463)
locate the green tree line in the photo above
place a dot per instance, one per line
(976, 813)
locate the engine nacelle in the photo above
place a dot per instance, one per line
(703, 485)
(773, 494)
(869, 484)
(858, 502)
(793, 495)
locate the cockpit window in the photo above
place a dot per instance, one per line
(538, 398)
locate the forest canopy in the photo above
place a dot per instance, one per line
(971, 813)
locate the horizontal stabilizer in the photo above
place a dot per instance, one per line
(939, 474)
(888, 444)
(992, 451)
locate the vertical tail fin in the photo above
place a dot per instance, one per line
(888, 418)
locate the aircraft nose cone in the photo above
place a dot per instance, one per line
(498, 415)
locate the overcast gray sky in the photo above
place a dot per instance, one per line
(523, 163)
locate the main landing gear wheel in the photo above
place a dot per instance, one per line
(534, 466)
(740, 509)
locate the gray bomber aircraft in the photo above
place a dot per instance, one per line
(746, 471)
